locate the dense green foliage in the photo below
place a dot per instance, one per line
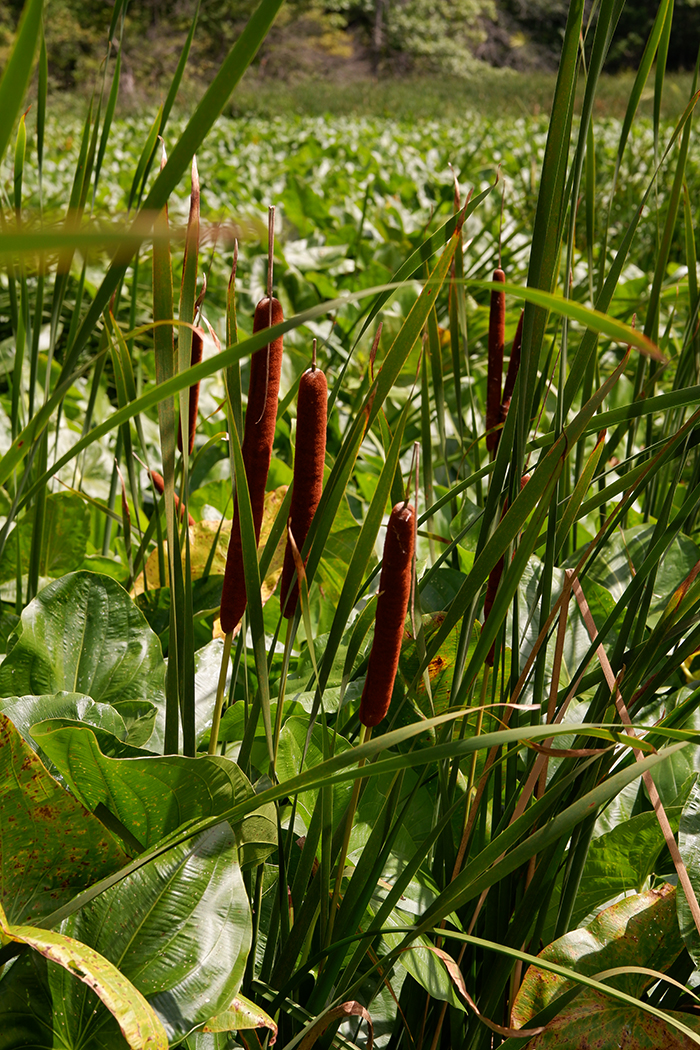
(340, 39)
(202, 845)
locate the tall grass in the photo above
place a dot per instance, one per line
(536, 763)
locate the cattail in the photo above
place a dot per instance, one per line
(309, 458)
(512, 373)
(196, 357)
(392, 605)
(497, 339)
(495, 579)
(258, 435)
(159, 486)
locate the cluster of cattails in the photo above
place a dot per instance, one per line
(258, 437)
(497, 401)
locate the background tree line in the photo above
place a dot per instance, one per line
(338, 37)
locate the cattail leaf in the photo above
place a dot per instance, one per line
(188, 294)
(18, 69)
(42, 92)
(582, 485)
(180, 69)
(109, 111)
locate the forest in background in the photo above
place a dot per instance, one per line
(344, 40)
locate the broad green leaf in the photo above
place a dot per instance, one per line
(26, 711)
(620, 860)
(641, 930)
(179, 930)
(82, 633)
(624, 554)
(291, 747)
(56, 846)
(138, 1023)
(151, 796)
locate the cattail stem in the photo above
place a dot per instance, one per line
(220, 690)
(280, 699)
(365, 735)
(496, 346)
(477, 732)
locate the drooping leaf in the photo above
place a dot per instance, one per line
(241, 1014)
(138, 1023)
(151, 796)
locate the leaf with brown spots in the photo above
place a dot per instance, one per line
(594, 1022)
(140, 1025)
(51, 847)
(641, 930)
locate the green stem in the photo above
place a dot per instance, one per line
(220, 689)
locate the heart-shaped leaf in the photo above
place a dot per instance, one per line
(153, 796)
(83, 633)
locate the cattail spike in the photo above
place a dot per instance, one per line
(392, 606)
(159, 486)
(309, 460)
(258, 437)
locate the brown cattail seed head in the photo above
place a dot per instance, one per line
(258, 436)
(392, 606)
(309, 459)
